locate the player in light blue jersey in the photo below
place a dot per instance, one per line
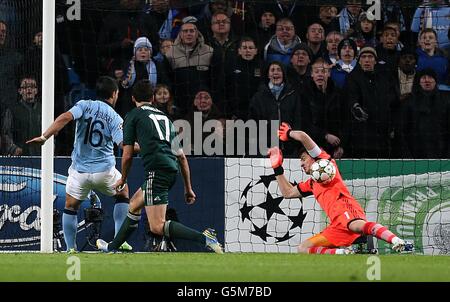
(98, 128)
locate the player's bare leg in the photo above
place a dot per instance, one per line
(156, 218)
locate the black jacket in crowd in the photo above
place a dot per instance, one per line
(222, 54)
(288, 108)
(297, 80)
(426, 124)
(389, 58)
(242, 79)
(328, 113)
(376, 93)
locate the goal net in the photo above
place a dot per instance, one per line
(411, 198)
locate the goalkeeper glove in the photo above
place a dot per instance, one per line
(284, 131)
(276, 160)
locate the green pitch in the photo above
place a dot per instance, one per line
(186, 267)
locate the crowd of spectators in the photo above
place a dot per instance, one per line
(363, 88)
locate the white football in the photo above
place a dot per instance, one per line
(323, 171)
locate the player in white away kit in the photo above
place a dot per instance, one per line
(98, 128)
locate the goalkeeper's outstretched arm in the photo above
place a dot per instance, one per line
(285, 133)
(286, 188)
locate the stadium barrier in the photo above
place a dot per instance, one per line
(241, 200)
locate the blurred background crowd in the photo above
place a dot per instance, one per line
(362, 87)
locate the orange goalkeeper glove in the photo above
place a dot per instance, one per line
(276, 160)
(283, 132)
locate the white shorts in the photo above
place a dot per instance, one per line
(80, 184)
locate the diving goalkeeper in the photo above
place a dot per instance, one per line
(347, 218)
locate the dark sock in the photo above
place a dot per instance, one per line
(175, 230)
(128, 226)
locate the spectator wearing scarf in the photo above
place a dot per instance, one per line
(142, 65)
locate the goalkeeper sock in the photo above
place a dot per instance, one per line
(323, 250)
(173, 230)
(70, 224)
(120, 213)
(128, 226)
(379, 231)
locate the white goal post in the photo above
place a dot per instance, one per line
(48, 78)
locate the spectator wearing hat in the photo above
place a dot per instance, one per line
(281, 45)
(315, 37)
(265, 29)
(348, 17)
(332, 41)
(347, 51)
(430, 56)
(189, 64)
(299, 69)
(141, 66)
(426, 119)
(370, 94)
(387, 51)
